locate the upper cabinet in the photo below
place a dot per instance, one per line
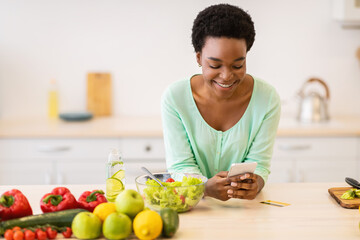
(347, 12)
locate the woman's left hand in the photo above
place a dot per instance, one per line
(245, 186)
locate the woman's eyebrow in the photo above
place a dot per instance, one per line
(219, 60)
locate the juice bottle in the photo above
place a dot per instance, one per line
(115, 175)
(53, 101)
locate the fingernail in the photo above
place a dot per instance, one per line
(233, 184)
(230, 196)
(230, 191)
(242, 177)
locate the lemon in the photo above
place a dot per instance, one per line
(119, 174)
(147, 225)
(104, 209)
(113, 187)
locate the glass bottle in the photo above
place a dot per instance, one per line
(115, 175)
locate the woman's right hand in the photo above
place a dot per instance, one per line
(217, 186)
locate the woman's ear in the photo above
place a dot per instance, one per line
(198, 58)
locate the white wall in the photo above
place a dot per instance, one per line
(146, 45)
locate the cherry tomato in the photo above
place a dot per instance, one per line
(182, 199)
(67, 233)
(18, 235)
(40, 234)
(9, 234)
(170, 180)
(51, 233)
(16, 228)
(29, 235)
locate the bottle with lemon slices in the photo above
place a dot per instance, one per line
(115, 178)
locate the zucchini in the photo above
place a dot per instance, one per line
(59, 219)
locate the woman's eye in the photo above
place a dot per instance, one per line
(238, 67)
(214, 67)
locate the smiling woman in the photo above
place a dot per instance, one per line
(224, 115)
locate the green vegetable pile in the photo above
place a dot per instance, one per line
(180, 196)
(351, 194)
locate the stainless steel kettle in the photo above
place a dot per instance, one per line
(313, 106)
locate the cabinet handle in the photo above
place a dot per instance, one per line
(288, 147)
(49, 149)
(148, 148)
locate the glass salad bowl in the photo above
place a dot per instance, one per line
(181, 191)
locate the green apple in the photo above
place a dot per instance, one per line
(117, 226)
(86, 225)
(129, 202)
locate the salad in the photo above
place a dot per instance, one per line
(180, 196)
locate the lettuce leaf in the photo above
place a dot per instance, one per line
(180, 196)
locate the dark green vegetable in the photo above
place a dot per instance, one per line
(170, 220)
(350, 194)
(59, 219)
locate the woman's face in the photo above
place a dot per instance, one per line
(223, 63)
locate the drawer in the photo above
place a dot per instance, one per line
(57, 148)
(142, 148)
(24, 172)
(315, 147)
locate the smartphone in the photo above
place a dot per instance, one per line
(241, 168)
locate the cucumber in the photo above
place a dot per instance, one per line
(170, 220)
(60, 219)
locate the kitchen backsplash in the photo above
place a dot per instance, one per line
(146, 45)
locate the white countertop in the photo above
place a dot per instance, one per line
(312, 214)
(108, 127)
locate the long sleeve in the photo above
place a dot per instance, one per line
(261, 148)
(179, 155)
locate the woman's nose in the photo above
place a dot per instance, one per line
(226, 74)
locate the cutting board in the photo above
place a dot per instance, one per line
(99, 94)
(336, 194)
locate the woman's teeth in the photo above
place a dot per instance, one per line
(224, 85)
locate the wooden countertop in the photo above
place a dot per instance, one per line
(108, 127)
(313, 214)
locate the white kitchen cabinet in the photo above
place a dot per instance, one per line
(314, 159)
(75, 161)
(83, 160)
(54, 161)
(142, 152)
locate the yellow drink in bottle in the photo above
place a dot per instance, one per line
(53, 101)
(115, 182)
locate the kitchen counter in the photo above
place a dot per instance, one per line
(108, 127)
(313, 214)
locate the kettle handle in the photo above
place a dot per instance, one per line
(319, 81)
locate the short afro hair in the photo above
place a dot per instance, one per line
(222, 20)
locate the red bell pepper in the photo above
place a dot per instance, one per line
(58, 199)
(89, 200)
(14, 204)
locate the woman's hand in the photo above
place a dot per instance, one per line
(245, 186)
(217, 186)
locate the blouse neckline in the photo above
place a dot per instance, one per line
(203, 120)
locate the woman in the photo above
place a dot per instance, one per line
(224, 115)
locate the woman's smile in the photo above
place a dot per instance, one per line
(226, 85)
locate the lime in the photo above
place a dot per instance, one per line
(116, 163)
(113, 187)
(170, 220)
(119, 174)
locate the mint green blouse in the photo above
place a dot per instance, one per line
(193, 146)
